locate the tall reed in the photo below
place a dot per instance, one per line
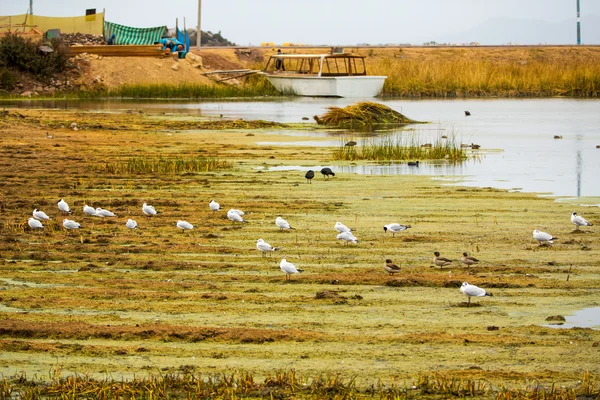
(487, 78)
(402, 147)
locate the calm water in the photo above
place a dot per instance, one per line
(518, 150)
(586, 318)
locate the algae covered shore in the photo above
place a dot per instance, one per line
(109, 301)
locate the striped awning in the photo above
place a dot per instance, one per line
(129, 35)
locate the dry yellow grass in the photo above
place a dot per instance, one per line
(509, 71)
(107, 300)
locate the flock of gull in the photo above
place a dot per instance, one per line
(344, 233)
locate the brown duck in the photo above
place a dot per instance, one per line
(441, 261)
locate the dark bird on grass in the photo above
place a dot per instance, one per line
(472, 290)
(441, 261)
(350, 143)
(467, 259)
(467, 113)
(390, 267)
(413, 163)
(309, 175)
(327, 172)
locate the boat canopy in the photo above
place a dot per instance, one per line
(316, 64)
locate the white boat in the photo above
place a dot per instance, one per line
(328, 75)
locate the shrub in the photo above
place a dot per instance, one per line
(8, 80)
(25, 55)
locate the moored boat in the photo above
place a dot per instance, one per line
(327, 75)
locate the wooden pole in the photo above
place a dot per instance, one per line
(199, 25)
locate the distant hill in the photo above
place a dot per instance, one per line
(506, 30)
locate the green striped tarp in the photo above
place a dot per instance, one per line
(129, 35)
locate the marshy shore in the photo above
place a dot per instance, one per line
(105, 301)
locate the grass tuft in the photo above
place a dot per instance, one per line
(160, 165)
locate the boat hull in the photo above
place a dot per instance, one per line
(334, 86)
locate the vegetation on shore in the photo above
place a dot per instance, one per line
(538, 72)
(283, 384)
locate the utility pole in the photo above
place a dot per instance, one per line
(578, 25)
(30, 7)
(200, 17)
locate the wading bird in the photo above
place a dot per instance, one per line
(289, 269)
(578, 220)
(543, 237)
(64, 207)
(282, 223)
(37, 214)
(395, 228)
(327, 172)
(472, 291)
(265, 247)
(309, 175)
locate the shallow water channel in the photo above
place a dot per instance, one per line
(518, 148)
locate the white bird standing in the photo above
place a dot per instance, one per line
(347, 237)
(578, 220)
(64, 207)
(265, 247)
(34, 223)
(37, 214)
(282, 223)
(101, 212)
(288, 268)
(70, 224)
(148, 210)
(473, 291)
(184, 225)
(131, 224)
(234, 216)
(214, 206)
(341, 228)
(87, 210)
(395, 228)
(543, 237)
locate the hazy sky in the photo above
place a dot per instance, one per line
(316, 21)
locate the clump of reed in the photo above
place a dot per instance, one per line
(161, 165)
(401, 148)
(362, 113)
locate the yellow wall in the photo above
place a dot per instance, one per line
(25, 22)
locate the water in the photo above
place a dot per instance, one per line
(518, 149)
(585, 318)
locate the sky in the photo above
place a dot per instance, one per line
(314, 22)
